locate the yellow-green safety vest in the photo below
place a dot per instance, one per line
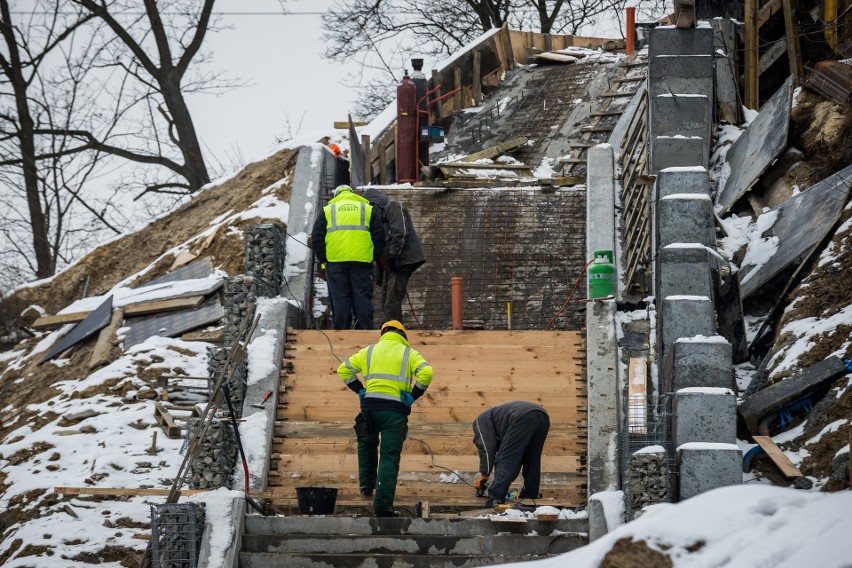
(347, 220)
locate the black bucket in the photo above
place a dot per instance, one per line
(316, 500)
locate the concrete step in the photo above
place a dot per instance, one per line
(502, 545)
(459, 527)
(259, 560)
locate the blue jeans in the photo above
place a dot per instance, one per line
(350, 285)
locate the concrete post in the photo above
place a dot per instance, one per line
(704, 415)
(686, 218)
(694, 179)
(704, 466)
(600, 199)
(603, 397)
(686, 316)
(677, 151)
(699, 362)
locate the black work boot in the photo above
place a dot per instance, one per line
(367, 491)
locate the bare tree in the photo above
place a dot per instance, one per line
(20, 65)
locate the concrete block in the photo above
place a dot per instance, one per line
(689, 115)
(606, 513)
(603, 395)
(685, 316)
(694, 179)
(669, 40)
(681, 74)
(704, 415)
(686, 218)
(600, 199)
(700, 362)
(685, 269)
(704, 466)
(678, 151)
(232, 531)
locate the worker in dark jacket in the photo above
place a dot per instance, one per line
(347, 237)
(395, 375)
(510, 437)
(402, 255)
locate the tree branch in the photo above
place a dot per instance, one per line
(195, 44)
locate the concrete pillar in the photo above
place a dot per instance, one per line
(703, 414)
(600, 199)
(685, 269)
(685, 316)
(681, 74)
(704, 466)
(694, 179)
(602, 397)
(700, 362)
(668, 40)
(677, 151)
(686, 218)
(685, 114)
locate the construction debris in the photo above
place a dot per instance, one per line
(94, 322)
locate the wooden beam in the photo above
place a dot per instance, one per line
(344, 124)
(166, 421)
(770, 56)
(59, 319)
(477, 78)
(778, 457)
(137, 491)
(495, 151)
(368, 158)
(439, 108)
(767, 11)
(794, 49)
(158, 306)
(637, 406)
(752, 56)
(457, 84)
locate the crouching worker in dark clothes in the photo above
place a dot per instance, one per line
(510, 438)
(395, 375)
(402, 254)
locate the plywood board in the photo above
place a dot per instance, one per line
(59, 319)
(94, 322)
(801, 222)
(157, 306)
(757, 147)
(474, 370)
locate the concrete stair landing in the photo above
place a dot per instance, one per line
(367, 542)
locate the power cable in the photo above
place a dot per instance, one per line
(330, 346)
(413, 313)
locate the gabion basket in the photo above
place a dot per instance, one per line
(176, 530)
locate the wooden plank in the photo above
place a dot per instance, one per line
(457, 84)
(477, 78)
(433, 400)
(495, 151)
(59, 319)
(412, 462)
(307, 337)
(778, 457)
(770, 56)
(433, 430)
(767, 11)
(137, 491)
(215, 336)
(344, 124)
(143, 308)
(637, 406)
(474, 166)
(166, 421)
(752, 55)
(418, 414)
(106, 340)
(457, 445)
(794, 49)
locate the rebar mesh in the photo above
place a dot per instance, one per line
(649, 466)
(176, 530)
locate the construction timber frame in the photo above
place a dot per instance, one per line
(476, 70)
(757, 14)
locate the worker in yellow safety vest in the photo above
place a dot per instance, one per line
(395, 375)
(347, 238)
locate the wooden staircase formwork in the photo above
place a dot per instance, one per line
(315, 445)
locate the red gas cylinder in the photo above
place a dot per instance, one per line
(406, 131)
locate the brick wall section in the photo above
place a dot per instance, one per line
(518, 245)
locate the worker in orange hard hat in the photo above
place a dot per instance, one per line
(395, 375)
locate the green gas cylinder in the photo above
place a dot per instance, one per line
(602, 280)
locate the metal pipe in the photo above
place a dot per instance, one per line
(631, 31)
(458, 305)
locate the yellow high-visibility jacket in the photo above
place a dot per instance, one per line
(347, 237)
(389, 368)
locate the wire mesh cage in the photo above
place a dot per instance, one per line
(176, 530)
(649, 466)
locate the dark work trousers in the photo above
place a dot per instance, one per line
(519, 449)
(381, 470)
(393, 293)
(350, 285)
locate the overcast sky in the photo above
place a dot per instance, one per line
(279, 55)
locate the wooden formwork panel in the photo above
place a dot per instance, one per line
(473, 370)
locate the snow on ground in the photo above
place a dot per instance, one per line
(742, 526)
(760, 248)
(107, 449)
(805, 333)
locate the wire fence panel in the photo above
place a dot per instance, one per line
(176, 534)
